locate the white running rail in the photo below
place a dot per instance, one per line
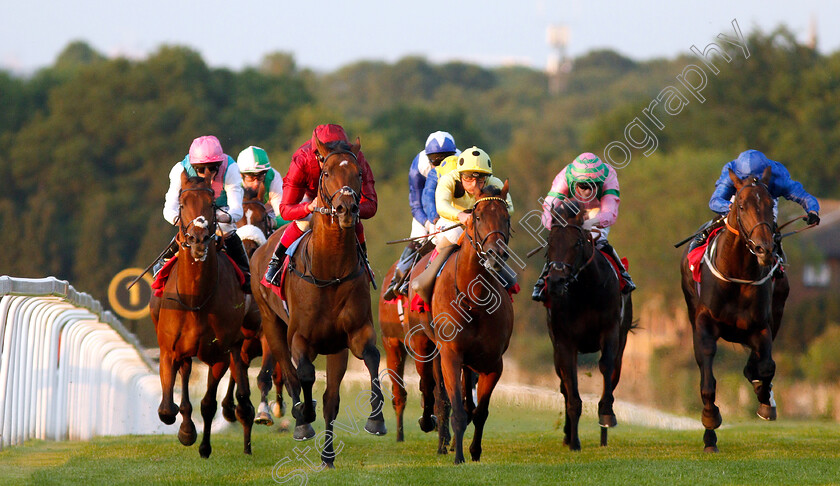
(68, 369)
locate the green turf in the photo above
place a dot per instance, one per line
(521, 446)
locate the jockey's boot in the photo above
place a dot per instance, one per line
(402, 268)
(275, 264)
(234, 248)
(630, 286)
(168, 253)
(704, 232)
(539, 288)
(424, 283)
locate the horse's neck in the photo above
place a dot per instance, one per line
(336, 248)
(733, 258)
(196, 278)
(469, 267)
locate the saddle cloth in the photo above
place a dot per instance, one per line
(695, 256)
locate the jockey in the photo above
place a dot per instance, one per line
(439, 145)
(206, 157)
(300, 190)
(594, 184)
(753, 163)
(456, 193)
(256, 171)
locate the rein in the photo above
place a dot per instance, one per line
(321, 283)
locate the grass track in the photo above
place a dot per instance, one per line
(521, 446)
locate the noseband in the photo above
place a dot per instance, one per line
(199, 221)
(344, 190)
(579, 265)
(477, 242)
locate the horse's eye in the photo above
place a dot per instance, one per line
(326, 174)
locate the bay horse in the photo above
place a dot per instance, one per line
(586, 313)
(254, 228)
(403, 336)
(328, 296)
(471, 317)
(201, 313)
(738, 298)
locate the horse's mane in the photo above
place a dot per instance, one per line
(249, 193)
(566, 212)
(338, 145)
(194, 180)
(490, 191)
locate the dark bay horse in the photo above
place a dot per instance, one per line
(738, 299)
(254, 228)
(587, 313)
(328, 296)
(472, 315)
(403, 337)
(201, 313)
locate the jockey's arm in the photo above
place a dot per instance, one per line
(416, 187)
(444, 197)
(792, 190)
(724, 190)
(170, 205)
(368, 202)
(234, 191)
(275, 197)
(294, 190)
(559, 191)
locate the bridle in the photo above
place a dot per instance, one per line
(771, 225)
(479, 243)
(266, 220)
(579, 265)
(198, 221)
(344, 190)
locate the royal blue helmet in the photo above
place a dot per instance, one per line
(440, 142)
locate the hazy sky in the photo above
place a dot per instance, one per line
(237, 34)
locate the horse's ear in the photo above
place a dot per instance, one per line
(184, 178)
(321, 147)
(356, 147)
(261, 192)
(735, 179)
(765, 176)
(505, 189)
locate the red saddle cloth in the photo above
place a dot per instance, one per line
(695, 256)
(163, 274)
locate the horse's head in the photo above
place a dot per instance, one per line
(196, 216)
(340, 185)
(566, 244)
(255, 226)
(752, 208)
(488, 230)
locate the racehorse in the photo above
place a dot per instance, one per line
(253, 229)
(328, 292)
(471, 317)
(738, 298)
(403, 336)
(587, 313)
(201, 313)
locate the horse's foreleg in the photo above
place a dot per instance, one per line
(376, 421)
(486, 384)
(442, 407)
(395, 356)
(228, 406)
(606, 416)
(244, 408)
(781, 289)
(167, 409)
(208, 404)
(336, 366)
(565, 364)
(187, 433)
(760, 370)
(274, 333)
(705, 347)
(279, 408)
(469, 382)
(451, 364)
(264, 383)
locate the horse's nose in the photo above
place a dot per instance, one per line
(354, 208)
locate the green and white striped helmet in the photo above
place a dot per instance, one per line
(253, 160)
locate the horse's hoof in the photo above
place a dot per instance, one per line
(427, 424)
(277, 409)
(204, 451)
(187, 437)
(607, 420)
(443, 451)
(228, 411)
(264, 418)
(327, 465)
(766, 411)
(376, 427)
(711, 449)
(304, 432)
